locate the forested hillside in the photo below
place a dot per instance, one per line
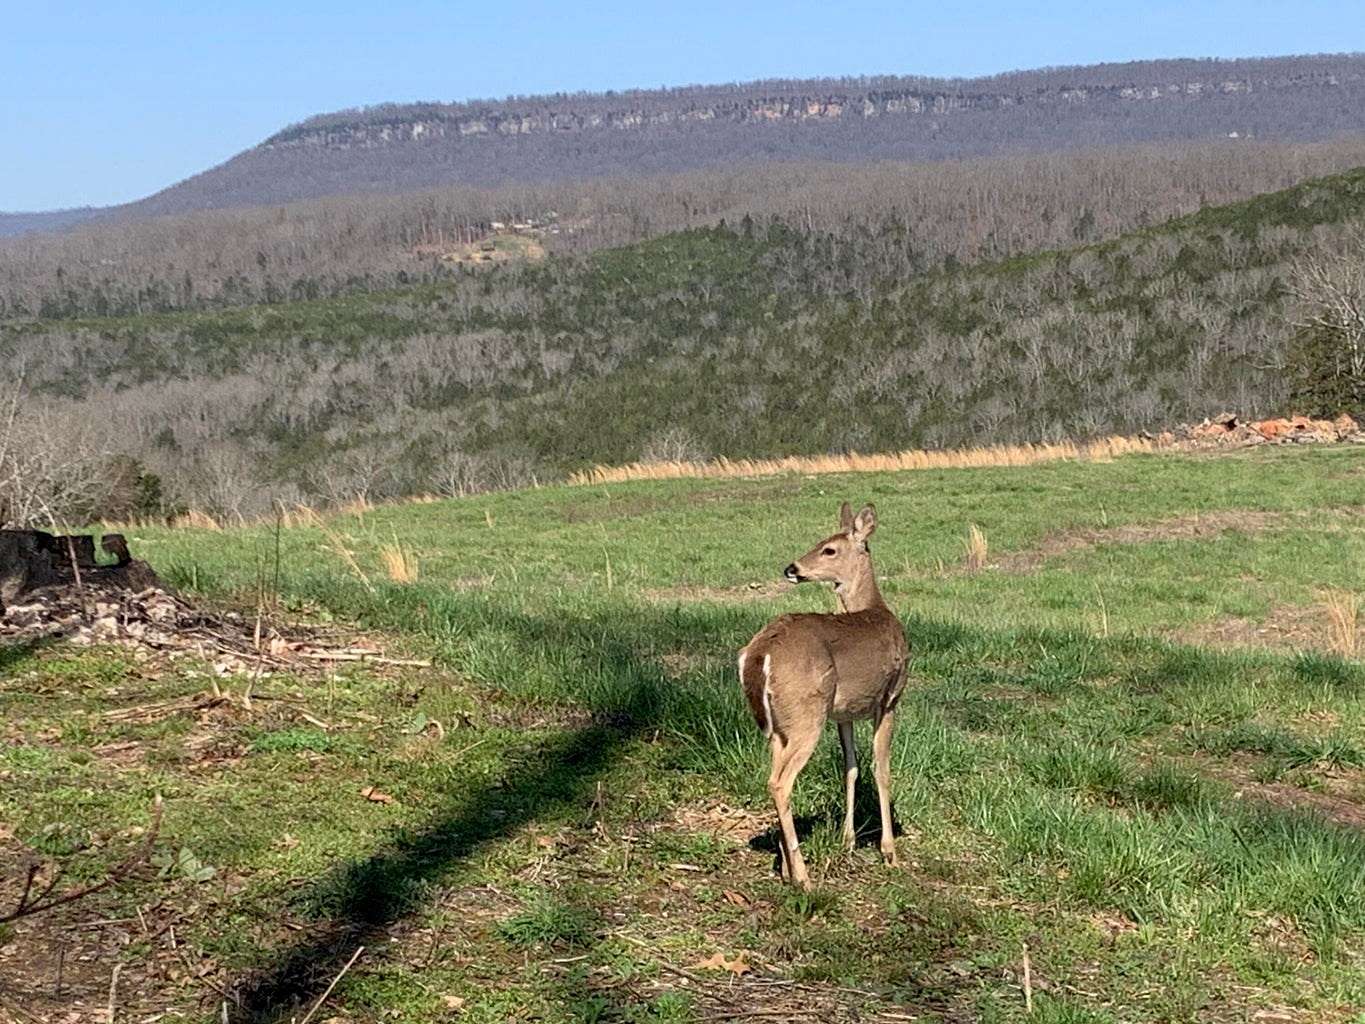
(947, 214)
(765, 336)
(541, 139)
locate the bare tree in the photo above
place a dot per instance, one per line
(52, 463)
(1329, 286)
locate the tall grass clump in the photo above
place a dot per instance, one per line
(400, 563)
(1343, 618)
(975, 548)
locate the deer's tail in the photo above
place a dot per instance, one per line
(755, 672)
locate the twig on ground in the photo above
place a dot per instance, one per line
(680, 972)
(368, 658)
(17, 1008)
(30, 904)
(328, 991)
(113, 993)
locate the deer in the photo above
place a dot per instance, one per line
(803, 670)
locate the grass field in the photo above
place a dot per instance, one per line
(1132, 747)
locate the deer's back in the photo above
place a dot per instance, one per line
(843, 664)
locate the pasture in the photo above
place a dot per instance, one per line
(1131, 758)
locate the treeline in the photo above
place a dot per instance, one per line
(764, 337)
(945, 215)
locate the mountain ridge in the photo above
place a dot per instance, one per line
(392, 148)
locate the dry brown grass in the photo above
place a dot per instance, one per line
(300, 515)
(1343, 618)
(975, 548)
(338, 547)
(357, 507)
(991, 455)
(196, 520)
(399, 562)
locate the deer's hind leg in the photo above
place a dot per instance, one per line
(850, 782)
(790, 755)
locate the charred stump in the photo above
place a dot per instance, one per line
(34, 560)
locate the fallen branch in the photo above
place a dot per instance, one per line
(323, 998)
(113, 993)
(30, 904)
(680, 972)
(354, 656)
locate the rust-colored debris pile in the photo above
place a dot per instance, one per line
(53, 587)
(1231, 431)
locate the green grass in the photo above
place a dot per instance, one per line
(1169, 827)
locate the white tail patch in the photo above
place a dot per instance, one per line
(767, 695)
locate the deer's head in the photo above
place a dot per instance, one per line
(840, 557)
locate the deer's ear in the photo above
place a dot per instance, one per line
(845, 518)
(864, 524)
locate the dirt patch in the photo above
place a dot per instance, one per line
(1335, 801)
(1287, 627)
(1335, 808)
(59, 967)
(732, 825)
(723, 595)
(1199, 526)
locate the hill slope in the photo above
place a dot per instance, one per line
(758, 339)
(949, 213)
(392, 148)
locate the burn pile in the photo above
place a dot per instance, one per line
(53, 586)
(1231, 431)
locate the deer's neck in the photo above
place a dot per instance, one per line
(860, 593)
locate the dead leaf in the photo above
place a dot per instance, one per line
(374, 795)
(717, 962)
(453, 1003)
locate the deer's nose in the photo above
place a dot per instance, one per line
(792, 573)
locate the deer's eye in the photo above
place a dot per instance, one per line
(828, 551)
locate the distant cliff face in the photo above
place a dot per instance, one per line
(427, 122)
(398, 148)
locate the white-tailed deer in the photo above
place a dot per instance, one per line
(803, 670)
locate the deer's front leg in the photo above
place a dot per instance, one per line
(850, 782)
(881, 753)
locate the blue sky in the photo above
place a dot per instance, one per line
(109, 101)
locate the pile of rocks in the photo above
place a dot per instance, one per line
(1230, 431)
